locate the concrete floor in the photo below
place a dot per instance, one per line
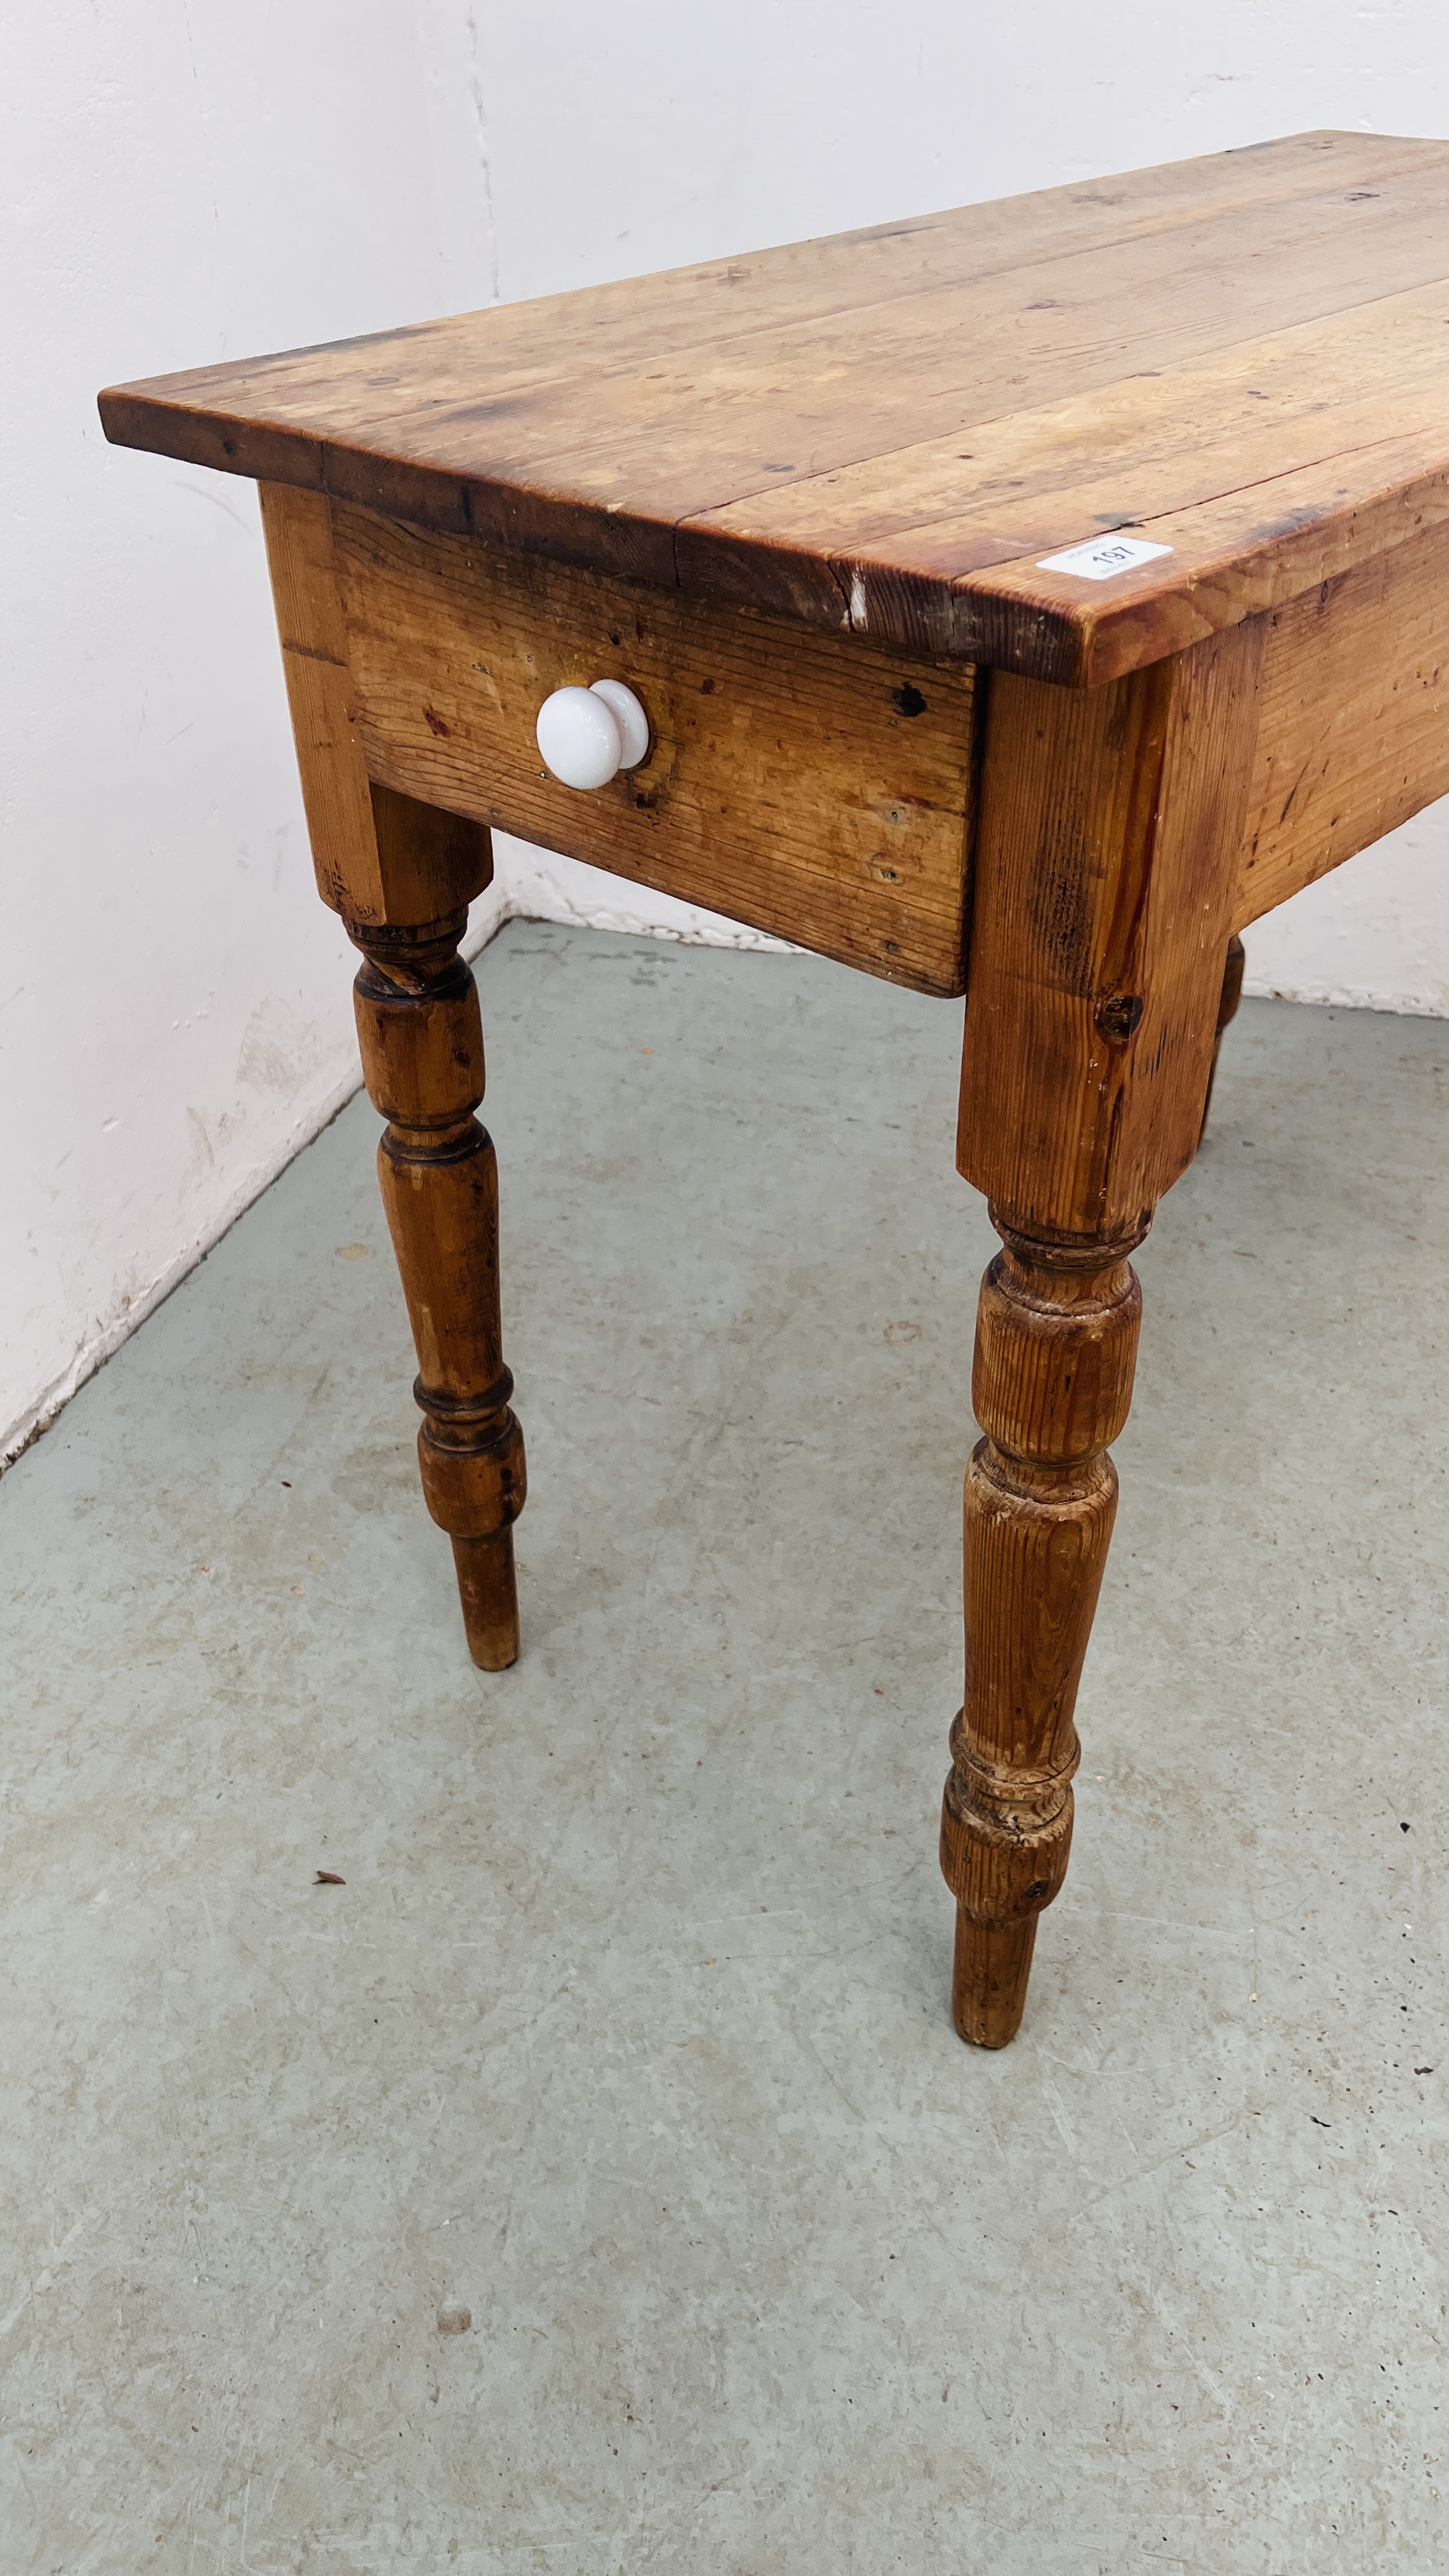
(629, 2028)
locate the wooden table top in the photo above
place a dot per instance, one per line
(1242, 361)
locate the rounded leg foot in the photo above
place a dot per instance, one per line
(489, 1594)
(989, 1978)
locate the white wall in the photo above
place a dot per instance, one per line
(184, 180)
(174, 1007)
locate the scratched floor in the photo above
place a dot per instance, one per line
(628, 2030)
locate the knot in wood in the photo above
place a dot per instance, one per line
(1118, 1017)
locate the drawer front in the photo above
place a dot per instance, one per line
(818, 786)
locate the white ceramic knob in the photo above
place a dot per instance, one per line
(588, 735)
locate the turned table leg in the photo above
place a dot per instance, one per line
(1232, 994)
(402, 873)
(1106, 855)
(1056, 1342)
(422, 1056)
(1056, 1346)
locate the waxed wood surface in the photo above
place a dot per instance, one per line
(1246, 355)
(1353, 728)
(814, 785)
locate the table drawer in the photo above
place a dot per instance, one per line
(814, 785)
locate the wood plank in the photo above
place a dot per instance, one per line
(297, 527)
(1237, 555)
(513, 350)
(813, 785)
(801, 430)
(750, 416)
(1354, 723)
(686, 439)
(1118, 457)
(378, 859)
(1104, 892)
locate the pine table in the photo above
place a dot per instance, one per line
(1012, 602)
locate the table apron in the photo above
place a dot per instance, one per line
(816, 786)
(1353, 723)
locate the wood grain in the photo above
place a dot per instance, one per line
(897, 425)
(1242, 429)
(379, 858)
(512, 360)
(518, 350)
(1236, 556)
(675, 446)
(807, 783)
(1105, 876)
(297, 528)
(1354, 725)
